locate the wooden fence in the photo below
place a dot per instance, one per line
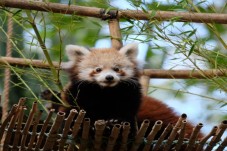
(75, 132)
(18, 132)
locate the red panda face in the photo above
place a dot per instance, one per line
(106, 67)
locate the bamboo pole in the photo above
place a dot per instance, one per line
(126, 130)
(85, 135)
(217, 137)
(10, 130)
(128, 14)
(113, 137)
(66, 129)
(222, 146)
(76, 127)
(181, 136)
(166, 131)
(28, 124)
(34, 130)
(193, 137)
(145, 81)
(173, 134)
(12, 112)
(26, 62)
(99, 130)
(115, 33)
(184, 74)
(53, 134)
(204, 139)
(157, 126)
(152, 73)
(43, 130)
(18, 130)
(140, 134)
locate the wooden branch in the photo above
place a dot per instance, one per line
(52, 137)
(129, 14)
(76, 127)
(140, 134)
(85, 134)
(28, 123)
(181, 136)
(184, 74)
(157, 126)
(217, 137)
(193, 137)
(44, 128)
(222, 145)
(166, 131)
(115, 33)
(26, 62)
(99, 130)
(125, 132)
(113, 137)
(204, 140)
(34, 130)
(173, 133)
(152, 73)
(68, 122)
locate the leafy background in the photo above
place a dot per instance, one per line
(163, 45)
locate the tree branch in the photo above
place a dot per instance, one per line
(129, 14)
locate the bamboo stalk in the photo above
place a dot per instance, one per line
(10, 130)
(26, 62)
(21, 102)
(184, 74)
(174, 132)
(53, 134)
(113, 137)
(140, 134)
(85, 135)
(43, 130)
(193, 137)
(99, 129)
(221, 129)
(27, 125)
(16, 109)
(181, 136)
(76, 128)
(129, 14)
(163, 136)
(34, 130)
(157, 126)
(204, 139)
(66, 129)
(145, 81)
(125, 133)
(152, 73)
(12, 112)
(18, 130)
(115, 33)
(222, 146)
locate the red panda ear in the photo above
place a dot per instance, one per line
(74, 52)
(130, 50)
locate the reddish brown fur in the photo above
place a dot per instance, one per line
(154, 110)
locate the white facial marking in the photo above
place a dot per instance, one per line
(102, 78)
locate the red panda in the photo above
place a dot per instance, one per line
(105, 83)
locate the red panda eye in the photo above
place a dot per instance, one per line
(116, 69)
(98, 69)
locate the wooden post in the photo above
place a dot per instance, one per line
(115, 33)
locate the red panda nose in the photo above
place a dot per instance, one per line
(109, 78)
